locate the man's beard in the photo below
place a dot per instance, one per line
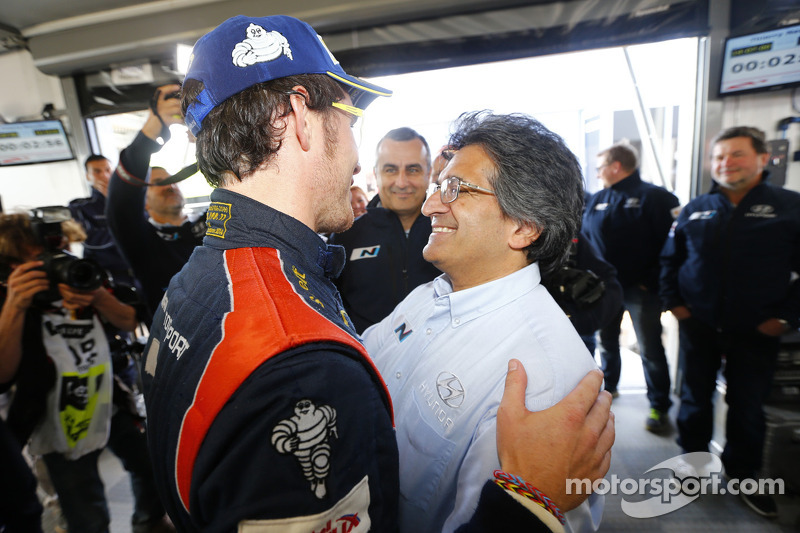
(341, 218)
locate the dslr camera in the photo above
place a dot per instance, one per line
(59, 265)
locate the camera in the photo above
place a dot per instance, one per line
(574, 289)
(581, 288)
(59, 265)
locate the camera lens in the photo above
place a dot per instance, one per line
(84, 274)
(77, 273)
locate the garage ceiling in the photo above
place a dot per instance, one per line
(82, 36)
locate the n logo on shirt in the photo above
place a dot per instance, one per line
(402, 333)
(365, 253)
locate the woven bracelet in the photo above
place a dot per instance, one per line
(519, 486)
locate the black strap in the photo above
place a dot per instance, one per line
(182, 174)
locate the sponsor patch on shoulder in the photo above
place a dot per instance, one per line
(349, 515)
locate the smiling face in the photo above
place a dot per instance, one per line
(358, 201)
(402, 172)
(735, 164)
(472, 241)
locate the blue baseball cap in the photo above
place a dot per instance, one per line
(244, 51)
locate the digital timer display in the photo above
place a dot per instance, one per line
(40, 141)
(760, 61)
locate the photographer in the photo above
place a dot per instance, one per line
(54, 349)
(156, 248)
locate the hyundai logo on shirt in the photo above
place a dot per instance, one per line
(761, 211)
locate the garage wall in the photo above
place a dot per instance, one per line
(25, 92)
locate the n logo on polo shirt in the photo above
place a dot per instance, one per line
(365, 253)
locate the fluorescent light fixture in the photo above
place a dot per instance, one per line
(182, 58)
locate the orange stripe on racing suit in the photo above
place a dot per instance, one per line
(267, 318)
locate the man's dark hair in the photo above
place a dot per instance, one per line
(92, 158)
(403, 135)
(537, 179)
(242, 133)
(757, 137)
(622, 152)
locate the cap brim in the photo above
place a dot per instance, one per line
(361, 92)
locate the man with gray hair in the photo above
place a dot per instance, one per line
(505, 210)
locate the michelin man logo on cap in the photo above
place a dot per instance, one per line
(260, 45)
(245, 51)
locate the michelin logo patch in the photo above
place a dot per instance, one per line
(305, 435)
(365, 253)
(260, 46)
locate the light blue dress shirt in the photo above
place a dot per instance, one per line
(444, 356)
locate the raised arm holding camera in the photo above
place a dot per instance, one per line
(158, 247)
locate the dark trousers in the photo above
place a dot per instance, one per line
(128, 441)
(20, 510)
(80, 488)
(750, 359)
(645, 310)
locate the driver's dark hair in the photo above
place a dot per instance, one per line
(243, 133)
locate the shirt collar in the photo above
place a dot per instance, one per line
(474, 302)
(97, 197)
(628, 182)
(237, 221)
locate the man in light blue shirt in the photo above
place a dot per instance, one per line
(506, 207)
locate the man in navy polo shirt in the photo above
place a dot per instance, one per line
(729, 276)
(384, 246)
(628, 222)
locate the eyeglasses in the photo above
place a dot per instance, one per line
(601, 167)
(450, 187)
(356, 112)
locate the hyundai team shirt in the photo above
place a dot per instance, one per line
(444, 356)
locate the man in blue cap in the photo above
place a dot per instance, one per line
(265, 411)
